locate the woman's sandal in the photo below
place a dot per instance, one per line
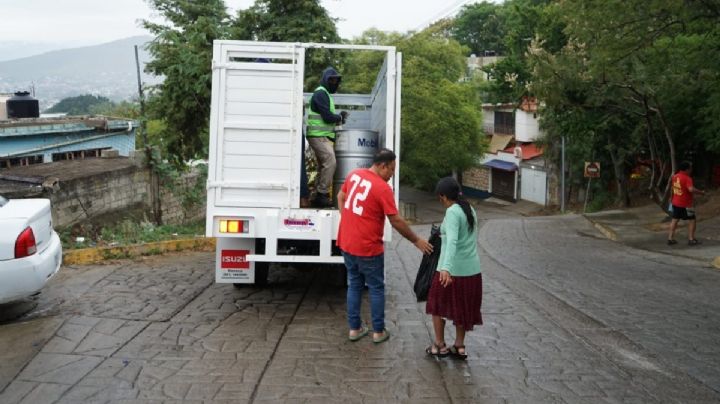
(363, 331)
(384, 337)
(455, 352)
(440, 351)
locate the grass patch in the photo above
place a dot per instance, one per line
(600, 201)
(129, 232)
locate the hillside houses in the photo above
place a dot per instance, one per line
(514, 166)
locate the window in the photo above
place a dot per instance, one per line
(78, 154)
(21, 161)
(504, 123)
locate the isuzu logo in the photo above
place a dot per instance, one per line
(234, 259)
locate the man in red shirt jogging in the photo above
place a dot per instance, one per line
(364, 201)
(682, 202)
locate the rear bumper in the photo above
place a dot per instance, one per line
(25, 276)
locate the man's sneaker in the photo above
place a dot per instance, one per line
(694, 242)
(672, 242)
(322, 201)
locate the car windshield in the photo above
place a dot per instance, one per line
(3, 201)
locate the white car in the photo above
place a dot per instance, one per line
(30, 250)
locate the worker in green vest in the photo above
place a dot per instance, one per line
(321, 121)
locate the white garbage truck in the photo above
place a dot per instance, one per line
(256, 154)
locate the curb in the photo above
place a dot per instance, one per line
(95, 255)
(612, 235)
(605, 230)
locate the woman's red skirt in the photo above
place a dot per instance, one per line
(459, 302)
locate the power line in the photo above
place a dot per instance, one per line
(443, 14)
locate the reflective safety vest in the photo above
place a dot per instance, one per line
(316, 126)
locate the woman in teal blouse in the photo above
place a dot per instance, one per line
(456, 290)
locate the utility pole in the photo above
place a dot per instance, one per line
(587, 195)
(154, 178)
(562, 178)
(142, 100)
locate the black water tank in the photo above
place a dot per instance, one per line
(22, 105)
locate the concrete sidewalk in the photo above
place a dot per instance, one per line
(647, 228)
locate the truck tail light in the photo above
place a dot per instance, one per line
(25, 244)
(234, 226)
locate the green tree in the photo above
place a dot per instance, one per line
(131, 110)
(361, 67)
(123, 109)
(481, 27)
(182, 54)
(440, 113)
(649, 67)
(80, 105)
(441, 123)
(523, 21)
(292, 21)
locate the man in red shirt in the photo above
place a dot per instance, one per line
(364, 201)
(682, 202)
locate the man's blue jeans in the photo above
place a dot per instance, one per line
(370, 271)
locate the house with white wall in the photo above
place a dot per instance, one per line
(514, 167)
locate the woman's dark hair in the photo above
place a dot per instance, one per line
(684, 166)
(449, 188)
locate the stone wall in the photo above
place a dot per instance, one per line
(95, 190)
(477, 178)
(183, 200)
(128, 189)
(93, 196)
(553, 185)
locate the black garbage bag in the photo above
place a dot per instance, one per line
(428, 266)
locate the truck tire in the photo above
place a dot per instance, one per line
(340, 275)
(261, 273)
(261, 268)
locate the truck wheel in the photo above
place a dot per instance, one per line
(261, 275)
(341, 275)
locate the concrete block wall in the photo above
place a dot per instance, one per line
(176, 206)
(477, 178)
(89, 197)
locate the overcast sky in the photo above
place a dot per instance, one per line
(85, 22)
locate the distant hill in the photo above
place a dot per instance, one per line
(79, 105)
(11, 50)
(107, 70)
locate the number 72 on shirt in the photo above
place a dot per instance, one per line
(359, 191)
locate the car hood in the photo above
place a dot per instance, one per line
(19, 214)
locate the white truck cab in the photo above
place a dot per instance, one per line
(255, 157)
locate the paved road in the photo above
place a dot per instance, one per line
(666, 304)
(160, 330)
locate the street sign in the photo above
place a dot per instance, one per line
(592, 169)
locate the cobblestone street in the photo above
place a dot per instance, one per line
(160, 330)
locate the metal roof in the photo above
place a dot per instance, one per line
(43, 126)
(502, 165)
